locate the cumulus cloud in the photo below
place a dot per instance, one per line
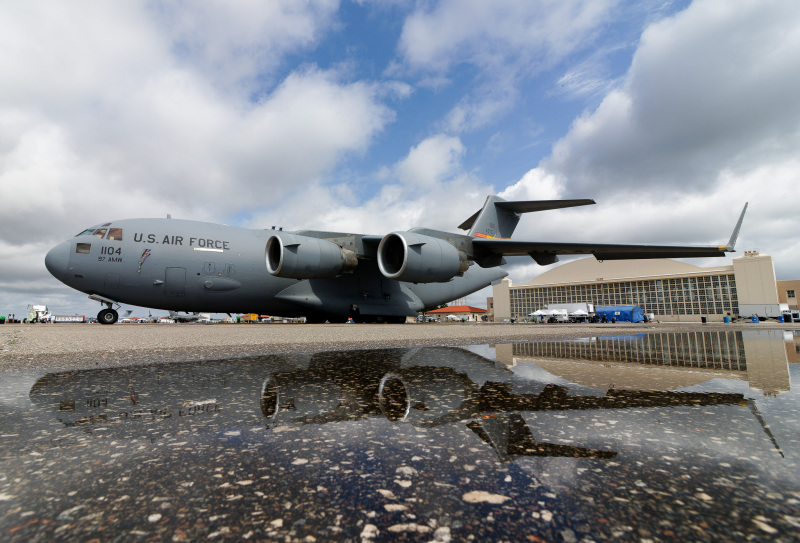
(489, 35)
(503, 42)
(238, 42)
(428, 187)
(709, 89)
(113, 111)
(431, 161)
(705, 119)
(122, 111)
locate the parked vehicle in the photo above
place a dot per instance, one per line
(37, 313)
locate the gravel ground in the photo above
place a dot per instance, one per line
(26, 348)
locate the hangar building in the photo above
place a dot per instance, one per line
(671, 290)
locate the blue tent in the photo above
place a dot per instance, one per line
(622, 313)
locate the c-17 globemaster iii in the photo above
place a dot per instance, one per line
(193, 266)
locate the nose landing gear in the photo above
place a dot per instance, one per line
(108, 315)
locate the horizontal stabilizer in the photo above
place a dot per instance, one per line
(498, 218)
(542, 205)
(527, 207)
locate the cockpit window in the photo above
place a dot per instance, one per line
(83, 248)
(115, 234)
(100, 232)
(87, 232)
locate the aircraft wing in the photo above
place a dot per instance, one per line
(603, 251)
(546, 252)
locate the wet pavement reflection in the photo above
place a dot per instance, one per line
(645, 437)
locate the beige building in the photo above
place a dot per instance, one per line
(666, 361)
(787, 293)
(669, 289)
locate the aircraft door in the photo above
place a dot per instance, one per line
(175, 282)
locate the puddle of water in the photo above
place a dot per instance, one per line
(656, 436)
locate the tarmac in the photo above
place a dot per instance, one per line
(62, 347)
(194, 432)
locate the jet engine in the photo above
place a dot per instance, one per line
(301, 257)
(407, 256)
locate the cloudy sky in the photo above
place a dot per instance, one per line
(372, 116)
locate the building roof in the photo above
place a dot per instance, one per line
(590, 270)
(458, 309)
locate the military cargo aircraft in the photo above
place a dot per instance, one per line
(192, 266)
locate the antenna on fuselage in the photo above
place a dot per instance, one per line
(169, 215)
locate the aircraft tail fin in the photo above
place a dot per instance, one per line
(735, 234)
(498, 218)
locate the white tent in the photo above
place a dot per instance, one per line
(557, 312)
(579, 313)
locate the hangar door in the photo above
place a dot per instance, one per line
(175, 282)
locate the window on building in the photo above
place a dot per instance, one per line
(790, 294)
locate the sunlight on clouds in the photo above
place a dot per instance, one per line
(505, 41)
(301, 131)
(57, 54)
(489, 34)
(443, 203)
(707, 88)
(491, 105)
(243, 39)
(683, 218)
(430, 162)
(536, 184)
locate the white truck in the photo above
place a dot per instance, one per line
(37, 313)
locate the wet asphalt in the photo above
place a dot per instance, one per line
(291, 433)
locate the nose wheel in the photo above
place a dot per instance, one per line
(107, 316)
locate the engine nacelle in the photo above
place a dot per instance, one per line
(300, 257)
(415, 258)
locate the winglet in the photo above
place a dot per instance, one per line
(732, 242)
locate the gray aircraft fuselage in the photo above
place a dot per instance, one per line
(197, 266)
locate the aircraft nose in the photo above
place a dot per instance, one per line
(57, 260)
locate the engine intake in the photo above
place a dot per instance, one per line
(300, 257)
(415, 258)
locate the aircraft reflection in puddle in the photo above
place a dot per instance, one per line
(426, 387)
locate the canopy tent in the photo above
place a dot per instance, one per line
(621, 313)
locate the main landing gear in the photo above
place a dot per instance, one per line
(108, 315)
